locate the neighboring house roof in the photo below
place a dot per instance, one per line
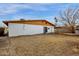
(33, 22)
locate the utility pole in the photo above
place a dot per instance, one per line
(56, 21)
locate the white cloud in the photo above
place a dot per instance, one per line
(26, 17)
(6, 9)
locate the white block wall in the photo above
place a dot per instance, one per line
(26, 29)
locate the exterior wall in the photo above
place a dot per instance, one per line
(50, 29)
(15, 29)
(76, 31)
(32, 29)
(25, 29)
(62, 30)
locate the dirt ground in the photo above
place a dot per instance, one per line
(40, 45)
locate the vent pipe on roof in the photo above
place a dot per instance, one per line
(22, 19)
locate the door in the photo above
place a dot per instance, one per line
(45, 30)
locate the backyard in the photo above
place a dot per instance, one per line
(40, 45)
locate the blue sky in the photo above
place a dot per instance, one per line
(15, 11)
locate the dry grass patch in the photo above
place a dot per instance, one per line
(43, 45)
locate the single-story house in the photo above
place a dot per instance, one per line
(28, 27)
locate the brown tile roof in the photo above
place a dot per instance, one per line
(35, 22)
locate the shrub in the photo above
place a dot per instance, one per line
(1, 31)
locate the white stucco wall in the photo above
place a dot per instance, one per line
(15, 29)
(26, 29)
(50, 29)
(32, 29)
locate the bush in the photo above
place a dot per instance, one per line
(1, 31)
